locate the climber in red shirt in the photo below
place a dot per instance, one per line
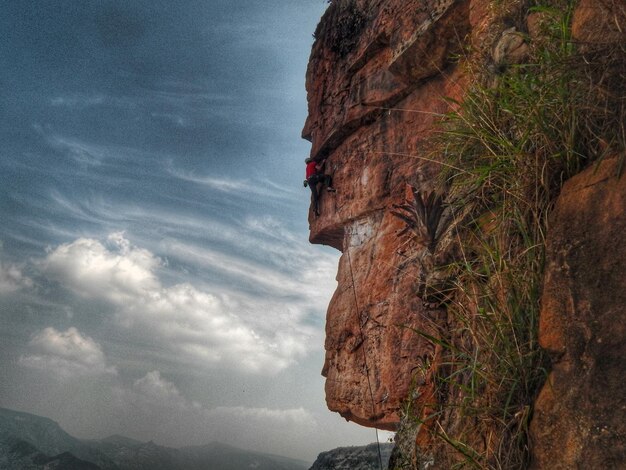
(314, 176)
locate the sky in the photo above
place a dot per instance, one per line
(155, 275)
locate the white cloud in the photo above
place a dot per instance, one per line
(66, 354)
(153, 386)
(153, 389)
(242, 187)
(228, 185)
(92, 270)
(161, 412)
(78, 101)
(252, 334)
(290, 266)
(264, 416)
(12, 278)
(82, 152)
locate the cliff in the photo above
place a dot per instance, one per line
(356, 121)
(354, 458)
(399, 94)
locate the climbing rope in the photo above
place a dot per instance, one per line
(421, 157)
(367, 371)
(403, 110)
(363, 337)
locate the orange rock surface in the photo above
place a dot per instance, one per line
(579, 414)
(378, 79)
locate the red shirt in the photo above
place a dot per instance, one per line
(311, 169)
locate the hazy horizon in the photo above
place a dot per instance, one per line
(155, 275)
(117, 437)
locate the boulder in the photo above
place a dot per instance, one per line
(579, 414)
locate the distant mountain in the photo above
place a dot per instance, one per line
(30, 442)
(354, 458)
(23, 432)
(130, 454)
(222, 456)
(18, 454)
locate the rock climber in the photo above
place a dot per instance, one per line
(314, 176)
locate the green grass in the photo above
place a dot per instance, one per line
(506, 151)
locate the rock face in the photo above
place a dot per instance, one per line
(599, 22)
(353, 458)
(579, 414)
(377, 78)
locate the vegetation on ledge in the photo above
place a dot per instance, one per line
(506, 150)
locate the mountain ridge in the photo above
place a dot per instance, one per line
(32, 442)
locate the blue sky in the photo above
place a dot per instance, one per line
(155, 275)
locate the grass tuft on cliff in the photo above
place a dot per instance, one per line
(507, 149)
(341, 26)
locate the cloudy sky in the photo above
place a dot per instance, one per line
(155, 275)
